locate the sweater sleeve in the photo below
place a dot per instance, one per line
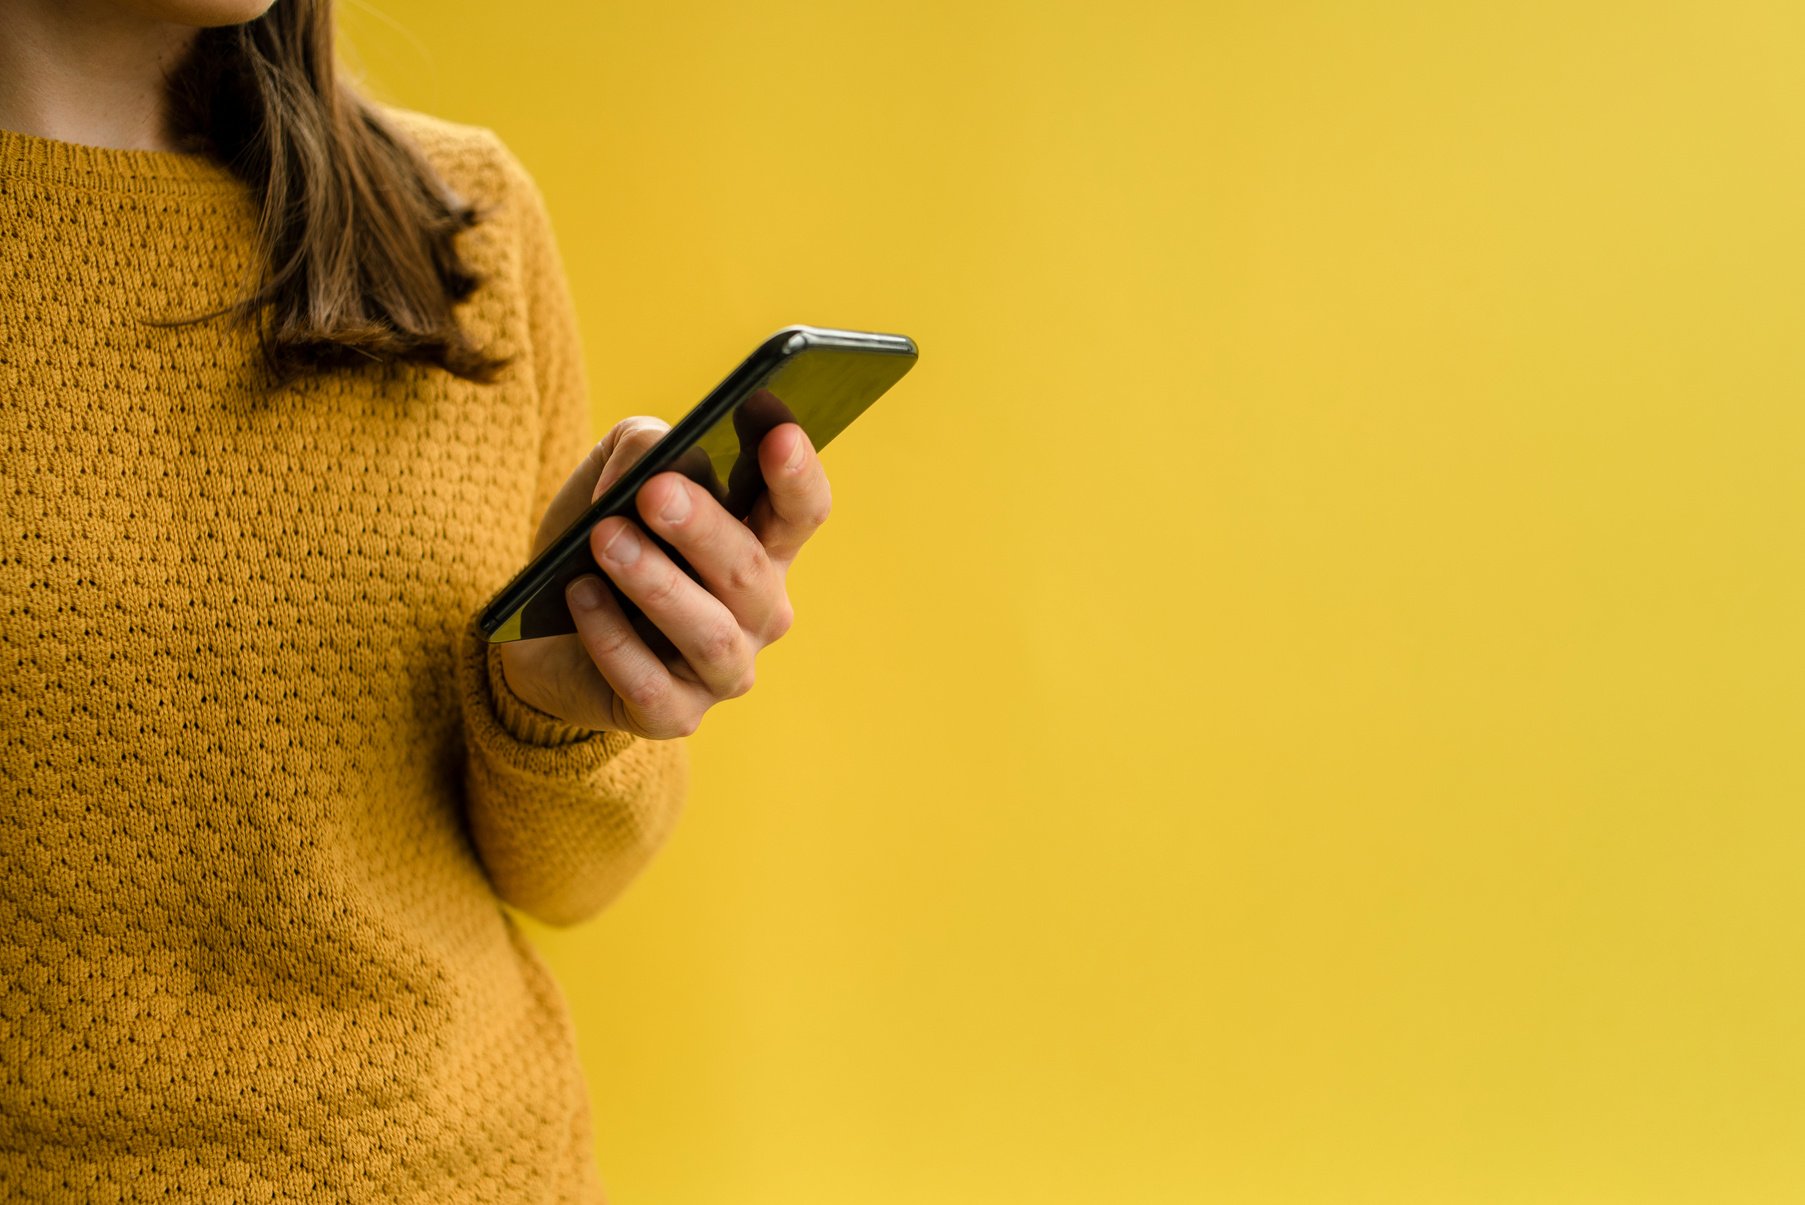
(562, 817)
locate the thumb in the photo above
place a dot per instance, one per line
(623, 446)
(617, 452)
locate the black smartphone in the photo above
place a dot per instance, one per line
(815, 376)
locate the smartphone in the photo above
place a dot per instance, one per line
(816, 376)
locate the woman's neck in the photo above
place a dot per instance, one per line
(87, 71)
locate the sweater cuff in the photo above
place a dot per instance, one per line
(524, 722)
(495, 710)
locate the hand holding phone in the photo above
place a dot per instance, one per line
(708, 573)
(818, 377)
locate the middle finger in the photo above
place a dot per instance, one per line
(697, 623)
(727, 554)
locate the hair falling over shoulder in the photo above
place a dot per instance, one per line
(356, 238)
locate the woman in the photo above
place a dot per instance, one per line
(285, 383)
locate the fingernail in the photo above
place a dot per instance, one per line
(676, 506)
(795, 458)
(586, 592)
(623, 549)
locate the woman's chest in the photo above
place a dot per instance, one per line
(173, 538)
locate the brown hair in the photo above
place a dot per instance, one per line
(356, 237)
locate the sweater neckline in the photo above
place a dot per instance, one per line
(34, 157)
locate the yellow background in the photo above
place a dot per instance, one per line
(1300, 698)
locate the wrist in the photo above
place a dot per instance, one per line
(522, 706)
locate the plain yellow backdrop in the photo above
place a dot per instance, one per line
(1300, 698)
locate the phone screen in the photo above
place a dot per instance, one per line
(821, 389)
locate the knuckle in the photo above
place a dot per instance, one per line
(747, 572)
(647, 691)
(744, 684)
(665, 588)
(721, 644)
(679, 723)
(607, 641)
(782, 620)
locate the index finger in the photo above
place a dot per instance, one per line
(625, 443)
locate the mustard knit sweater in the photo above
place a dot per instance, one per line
(263, 791)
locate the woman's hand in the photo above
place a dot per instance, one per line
(609, 675)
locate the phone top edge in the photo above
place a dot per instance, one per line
(799, 336)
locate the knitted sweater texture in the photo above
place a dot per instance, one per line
(265, 798)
